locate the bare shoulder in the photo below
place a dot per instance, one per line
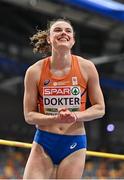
(87, 68)
(35, 67)
(85, 62)
(34, 70)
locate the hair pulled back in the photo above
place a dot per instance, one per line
(39, 40)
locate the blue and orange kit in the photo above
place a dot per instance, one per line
(68, 91)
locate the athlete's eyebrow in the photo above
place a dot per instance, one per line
(59, 28)
(69, 29)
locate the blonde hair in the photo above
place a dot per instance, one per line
(39, 40)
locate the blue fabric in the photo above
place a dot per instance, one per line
(108, 8)
(59, 146)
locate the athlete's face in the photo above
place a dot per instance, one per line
(61, 35)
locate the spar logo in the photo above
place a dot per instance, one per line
(57, 91)
(75, 91)
(67, 96)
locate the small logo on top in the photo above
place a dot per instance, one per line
(75, 91)
(46, 82)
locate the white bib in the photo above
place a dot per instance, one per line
(61, 96)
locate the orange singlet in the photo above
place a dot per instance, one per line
(67, 91)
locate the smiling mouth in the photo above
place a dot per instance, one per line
(63, 39)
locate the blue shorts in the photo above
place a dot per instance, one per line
(59, 146)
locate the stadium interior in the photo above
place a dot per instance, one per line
(99, 38)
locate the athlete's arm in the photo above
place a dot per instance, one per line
(30, 100)
(97, 109)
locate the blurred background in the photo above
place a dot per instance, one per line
(99, 27)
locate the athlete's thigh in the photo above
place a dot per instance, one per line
(72, 166)
(39, 164)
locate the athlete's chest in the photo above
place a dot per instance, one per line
(60, 72)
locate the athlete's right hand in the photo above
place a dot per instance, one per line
(65, 116)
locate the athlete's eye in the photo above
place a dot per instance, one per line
(57, 30)
(69, 30)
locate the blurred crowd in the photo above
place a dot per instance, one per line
(12, 163)
(100, 168)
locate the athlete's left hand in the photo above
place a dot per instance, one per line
(65, 116)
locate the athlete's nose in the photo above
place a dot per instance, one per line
(63, 32)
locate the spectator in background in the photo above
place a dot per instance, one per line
(102, 170)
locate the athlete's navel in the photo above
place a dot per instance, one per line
(61, 128)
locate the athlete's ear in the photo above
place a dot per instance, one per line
(73, 41)
(48, 40)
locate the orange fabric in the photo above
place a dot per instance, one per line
(47, 79)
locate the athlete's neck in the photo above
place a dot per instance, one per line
(61, 60)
